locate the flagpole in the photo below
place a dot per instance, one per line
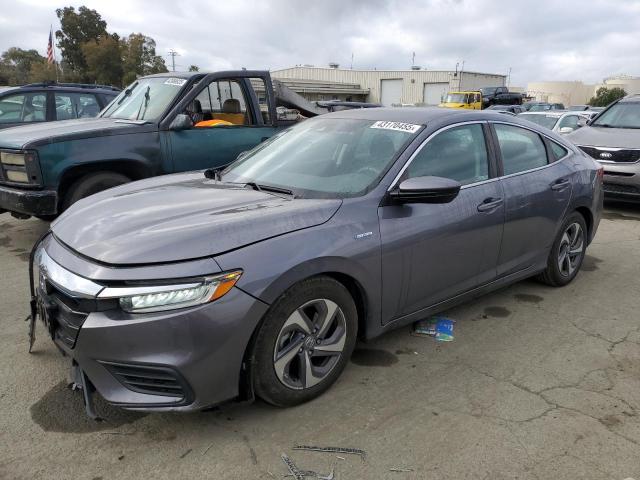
(55, 59)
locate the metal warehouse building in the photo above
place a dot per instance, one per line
(388, 87)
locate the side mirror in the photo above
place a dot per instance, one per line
(565, 130)
(582, 122)
(425, 190)
(181, 122)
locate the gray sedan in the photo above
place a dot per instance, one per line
(184, 291)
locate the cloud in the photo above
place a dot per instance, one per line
(541, 40)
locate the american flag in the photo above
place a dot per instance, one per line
(50, 57)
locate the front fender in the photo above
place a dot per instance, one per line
(335, 247)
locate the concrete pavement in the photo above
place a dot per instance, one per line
(539, 383)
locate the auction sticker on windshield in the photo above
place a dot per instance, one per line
(398, 126)
(175, 81)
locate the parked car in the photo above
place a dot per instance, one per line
(183, 291)
(579, 107)
(499, 96)
(165, 123)
(613, 139)
(515, 109)
(542, 106)
(51, 101)
(562, 122)
(468, 100)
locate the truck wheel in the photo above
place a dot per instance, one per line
(90, 184)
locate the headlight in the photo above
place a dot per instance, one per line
(20, 167)
(156, 298)
(12, 158)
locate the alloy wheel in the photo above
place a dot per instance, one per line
(310, 344)
(570, 249)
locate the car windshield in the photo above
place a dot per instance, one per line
(324, 157)
(488, 90)
(621, 115)
(547, 121)
(456, 98)
(145, 99)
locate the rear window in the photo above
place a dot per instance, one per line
(558, 151)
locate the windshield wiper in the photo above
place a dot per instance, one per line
(127, 92)
(145, 103)
(214, 173)
(270, 189)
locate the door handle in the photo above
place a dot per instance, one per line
(490, 204)
(560, 185)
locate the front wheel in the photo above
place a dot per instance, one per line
(304, 342)
(90, 184)
(567, 252)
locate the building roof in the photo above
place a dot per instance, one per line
(385, 70)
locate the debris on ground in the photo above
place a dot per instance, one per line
(439, 327)
(400, 469)
(350, 451)
(312, 474)
(293, 469)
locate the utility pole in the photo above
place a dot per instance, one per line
(173, 54)
(509, 77)
(413, 59)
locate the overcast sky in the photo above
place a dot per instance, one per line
(539, 39)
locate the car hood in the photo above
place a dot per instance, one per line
(26, 136)
(606, 137)
(181, 217)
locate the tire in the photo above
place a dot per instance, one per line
(572, 236)
(90, 184)
(282, 349)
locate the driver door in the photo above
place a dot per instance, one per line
(230, 115)
(433, 252)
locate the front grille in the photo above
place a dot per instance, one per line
(615, 188)
(67, 321)
(151, 380)
(618, 156)
(69, 313)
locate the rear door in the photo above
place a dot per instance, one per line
(537, 187)
(432, 252)
(229, 118)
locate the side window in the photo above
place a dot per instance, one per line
(259, 86)
(569, 121)
(87, 105)
(521, 149)
(557, 151)
(30, 107)
(65, 106)
(221, 103)
(459, 153)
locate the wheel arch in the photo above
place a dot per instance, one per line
(133, 169)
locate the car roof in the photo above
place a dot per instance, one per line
(549, 113)
(423, 115)
(65, 87)
(634, 97)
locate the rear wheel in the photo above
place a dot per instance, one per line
(304, 342)
(90, 184)
(567, 252)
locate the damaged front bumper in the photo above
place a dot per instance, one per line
(178, 360)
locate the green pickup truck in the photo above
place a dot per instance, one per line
(166, 123)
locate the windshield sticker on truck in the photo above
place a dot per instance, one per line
(398, 126)
(178, 82)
